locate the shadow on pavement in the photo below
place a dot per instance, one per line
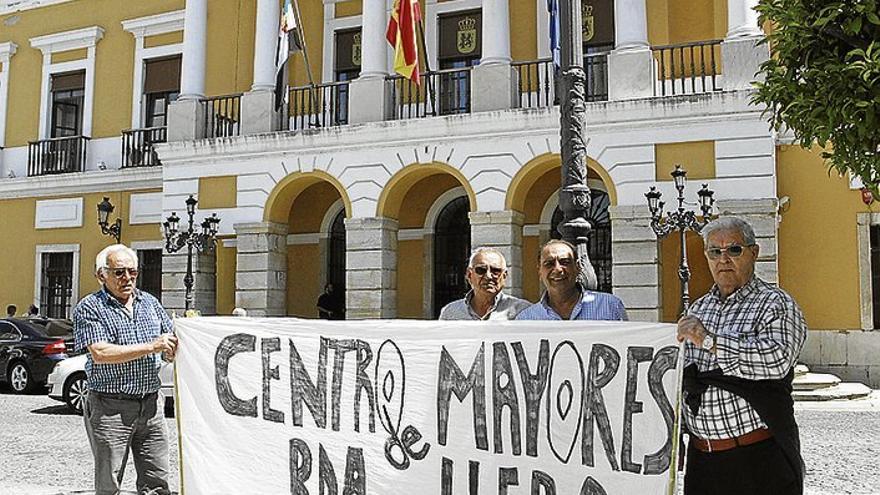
(60, 410)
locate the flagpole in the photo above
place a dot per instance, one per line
(313, 90)
(430, 83)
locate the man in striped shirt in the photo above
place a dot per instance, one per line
(743, 339)
(124, 330)
(565, 299)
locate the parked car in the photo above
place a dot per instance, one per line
(30, 349)
(67, 382)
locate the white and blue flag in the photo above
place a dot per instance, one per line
(553, 8)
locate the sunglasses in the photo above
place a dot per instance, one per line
(734, 251)
(119, 272)
(481, 270)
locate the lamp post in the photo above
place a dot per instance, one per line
(574, 194)
(105, 208)
(680, 220)
(202, 241)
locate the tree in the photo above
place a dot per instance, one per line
(823, 80)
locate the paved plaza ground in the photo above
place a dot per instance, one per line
(45, 451)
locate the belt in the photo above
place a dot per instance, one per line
(121, 396)
(749, 438)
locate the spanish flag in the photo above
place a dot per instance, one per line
(402, 35)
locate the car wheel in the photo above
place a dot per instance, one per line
(75, 390)
(20, 379)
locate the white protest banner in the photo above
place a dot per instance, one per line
(289, 406)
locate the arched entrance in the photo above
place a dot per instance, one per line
(452, 245)
(336, 257)
(599, 244)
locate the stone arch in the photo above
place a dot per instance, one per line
(395, 190)
(537, 167)
(280, 200)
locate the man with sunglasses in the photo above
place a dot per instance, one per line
(486, 274)
(742, 340)
(564, 298)
(125, 331)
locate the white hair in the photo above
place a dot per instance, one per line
(729, 224)
(103, 257)
(239, 312)
(482, 250)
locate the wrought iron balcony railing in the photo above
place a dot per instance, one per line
(319, 105)
(59, 155)
(687, 68)
(442, 92)
(536, 80)
(222, 116)
(137, 146)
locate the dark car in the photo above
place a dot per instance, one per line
(30, 349)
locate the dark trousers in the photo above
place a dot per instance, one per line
(757, 469)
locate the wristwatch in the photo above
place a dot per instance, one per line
(708, 342)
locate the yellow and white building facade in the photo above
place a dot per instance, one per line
(383, 187)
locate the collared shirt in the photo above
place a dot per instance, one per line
(100, 317)
(759, 332)
(503, 308)
(591, 306)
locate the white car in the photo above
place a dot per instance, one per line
(67, 382)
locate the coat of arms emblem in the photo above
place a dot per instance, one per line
(356, 49)
(466, 37)
(587, 22)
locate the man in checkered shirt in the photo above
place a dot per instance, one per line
(125, 331)
(744, 335)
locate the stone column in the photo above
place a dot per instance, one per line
(501, 230)
(636, 268)
(493, 82)
(762, 215)
(368, 99)
(195, 43)
(258, 105)
(741, 53)
(204, 285)
(630, 65)
(371, 268)
(261, 268)
(186, 116)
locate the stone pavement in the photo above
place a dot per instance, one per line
(45, 451)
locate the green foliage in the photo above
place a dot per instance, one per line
(823, 79)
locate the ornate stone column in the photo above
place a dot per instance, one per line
(258, 105)
(371, 268)
(368, 100)
(494, 84)
(630, 65)
(261, 268)
(501, 230)
(186, 116)
(741, 55)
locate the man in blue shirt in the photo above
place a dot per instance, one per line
(564, 298)
(124, 330)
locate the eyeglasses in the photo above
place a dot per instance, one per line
(119, 272)
(734, 251)
(481, 270)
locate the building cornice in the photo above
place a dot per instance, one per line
(81, 183)
(10, 6)
(166, 22)
(7, 50)
(612, 116)
(68, 40)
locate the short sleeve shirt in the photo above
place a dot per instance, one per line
(99, 317)
(592, 306)
(505, 308)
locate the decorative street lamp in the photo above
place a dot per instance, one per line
(105, 208)
(191, 238)
(681, 220)
(574, 195)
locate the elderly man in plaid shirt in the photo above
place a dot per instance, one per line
(743, 339)
(125, 330)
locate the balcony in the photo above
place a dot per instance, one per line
(687, 68)
(222, 116)
(60, 155)
(318, 105)
(137, 146)
(536, 80)
(442, 92)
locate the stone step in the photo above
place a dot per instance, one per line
(800, 369)
(841, 391)
(814, 381)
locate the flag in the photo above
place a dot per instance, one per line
(401, 35)
(553, 8)
(288, 42)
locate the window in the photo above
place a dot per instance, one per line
(68, 95)
(161, 87)
(150, 271)
(452, 246)
(336, 258)
(347, 67)
(460, 47)
(8, 332)
(599, 244)
(56, 287)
